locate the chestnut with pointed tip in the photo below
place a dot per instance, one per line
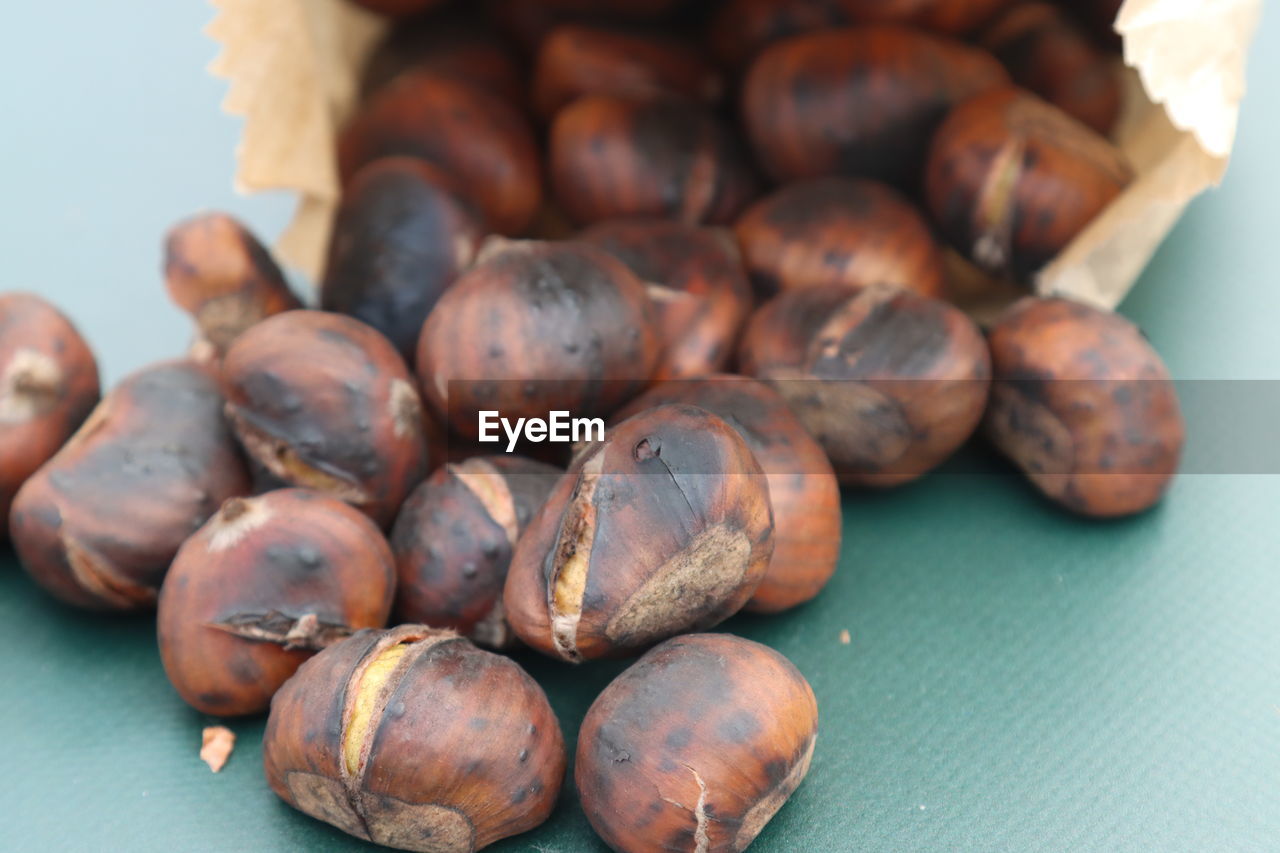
(219, 273)
(462, 129)
(662, 528)
(263, 585)
(1084, 406)
(837, 230)
(325, 402)
(99, 523)
(696, 283)
(400, 237)
(48, 386)
(453, 541)
(535, 327)
(696, 746)
(891, 383)
(415, 739)
(861, 101)
(657, 156)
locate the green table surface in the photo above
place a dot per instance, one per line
(1016, 679)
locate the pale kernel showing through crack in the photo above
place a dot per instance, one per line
(364, 704)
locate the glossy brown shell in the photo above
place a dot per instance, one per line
(662, 156)
(861, 101)
(1012, 180)
(699, 291)
(463, 749)
(453, 542)
(803, 490)
(536, 327)
(219, 273)
(262, 586)
(400, 237)
(1084, 406)
(891, 383)
(459, 127)
(696, 746)
(98, 525)
(663, 528)
(837, 230)
(48, 386)
(325, 402)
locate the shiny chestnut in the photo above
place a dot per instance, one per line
(662, 528)
(696, 746)
(413, 738)
(263, 585)
(99, 523)
(1012, 180)
(1083, 406)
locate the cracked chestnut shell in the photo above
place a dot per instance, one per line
(696, 746)
(413, 738)
(860, 101)
(99, 523)
(1012, 180)
(263, 585)
(453, 541)
(219, 273)
(48, 386)
(576, 60)
(662, 528)
(400, 237)
(460, 128)
(535, 327)
(1084, 406)
(696, 283)
(891, 383)
(657, 156)
(325, 402)
(837, 230)
(803, 490)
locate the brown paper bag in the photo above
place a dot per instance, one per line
(293, 66)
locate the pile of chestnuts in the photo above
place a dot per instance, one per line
(726, 231)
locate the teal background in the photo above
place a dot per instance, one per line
(1017, 680)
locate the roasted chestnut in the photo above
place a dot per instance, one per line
(264, 584)
(802, 487)
(401, 237)
(323, 401)
(536, 327)
(658, 156)
(860, 101)
(459, 127)
(948, 16)
(99, 523)
(576, 60)
(696, 746)
(739, 29)
(891, 383)
(219, 273)
(1047, 52)
(839, 231)
(1012, 180)
(453, 541)
(1084, 406)
(662, 528)
(413, 738)
(48, 386)
(696, 283)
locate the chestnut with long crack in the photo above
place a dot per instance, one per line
(262, 586)
(324, 402)
(48, 386)
(98, 525)
(413, 738)
(696, 746)
(664, 527)
(454, 538)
